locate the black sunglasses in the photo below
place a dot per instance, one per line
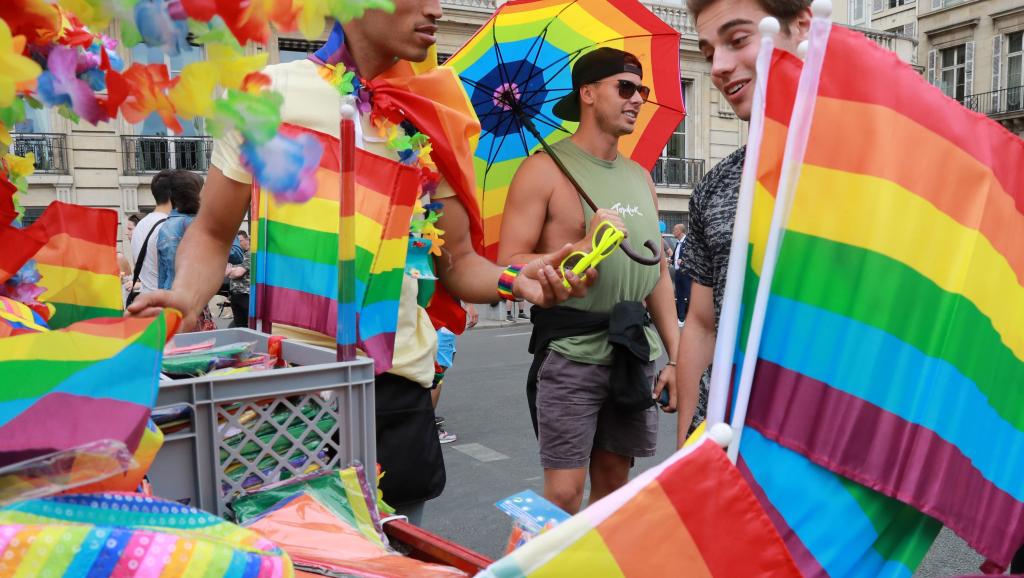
(627, 89)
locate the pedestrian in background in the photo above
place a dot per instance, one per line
(680, 276)
(442, 363)
(185, 187)
(144, 238)
(238, 284)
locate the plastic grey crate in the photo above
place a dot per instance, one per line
(192, 463)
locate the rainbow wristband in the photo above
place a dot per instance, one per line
(505, 282)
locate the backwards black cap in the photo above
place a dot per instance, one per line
(592, 67)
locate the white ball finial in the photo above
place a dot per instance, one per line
(348, 112)
(769, 26)
(721, 434)
(821, 8)
(801, 49)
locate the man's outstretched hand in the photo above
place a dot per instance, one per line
(149, 305)
(540, 282)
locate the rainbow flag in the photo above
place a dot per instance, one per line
(893, 343)
(692, 515)
(75, 250)
(295, 267)
(115, 534)
(94, 380)
(879, 536)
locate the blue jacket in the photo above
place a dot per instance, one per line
(167, 243)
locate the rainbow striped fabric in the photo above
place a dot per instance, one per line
(295, 264)
(692, 514)
(75, 250)
(430, 98)
(879, 536)
(114, 534)
(17, 318)
(58, 383)
(897, 304)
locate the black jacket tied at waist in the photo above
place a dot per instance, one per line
(630, 389)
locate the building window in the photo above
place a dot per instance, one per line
(1015, 71)
(895, 3)
(905, 30)
(154, 125)
(154, 147)
(292, 49)
(953, 71)
(673, 168)
(671, 219)
(31, 215)
(857, 11)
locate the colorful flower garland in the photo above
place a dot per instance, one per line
(411, 145)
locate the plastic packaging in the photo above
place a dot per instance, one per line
(204, 361)
(61, 471)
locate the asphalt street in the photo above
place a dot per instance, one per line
(484, 402)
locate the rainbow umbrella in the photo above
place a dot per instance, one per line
(521, 61)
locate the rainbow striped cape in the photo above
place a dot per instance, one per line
(893, 344)
(295, 263)
(692, 515)
(94, 380)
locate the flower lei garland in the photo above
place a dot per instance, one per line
(49, 57)
(411, 145)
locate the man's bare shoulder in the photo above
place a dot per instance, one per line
(537, 164)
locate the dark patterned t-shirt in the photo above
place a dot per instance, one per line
(709, 236)
(708, 240)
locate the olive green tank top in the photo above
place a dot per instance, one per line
(619, 185)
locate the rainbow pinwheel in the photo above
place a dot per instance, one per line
(526, 51)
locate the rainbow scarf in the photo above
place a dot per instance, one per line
(57, 384)
(692, 514)
(897, 304)
(296, 250)
(114, 534)
(296, 255)
(75, 250)
(430, 97)
(880, 536)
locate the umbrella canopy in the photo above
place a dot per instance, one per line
(526, 50)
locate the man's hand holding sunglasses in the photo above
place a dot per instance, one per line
(587, 242)
(540, 283)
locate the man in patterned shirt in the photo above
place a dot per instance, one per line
(728, 37)
(238, 284)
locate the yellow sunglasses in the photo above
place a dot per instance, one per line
(606, 239)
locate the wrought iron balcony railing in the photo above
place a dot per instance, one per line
(50, 151)
(150, 154)
(997, 102)
(677, 172)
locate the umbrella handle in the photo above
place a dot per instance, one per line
(632, 254)
(626, 248)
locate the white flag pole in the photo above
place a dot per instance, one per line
(728, 325)
(796, 144)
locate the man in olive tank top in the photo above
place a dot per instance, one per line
(592, 386)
